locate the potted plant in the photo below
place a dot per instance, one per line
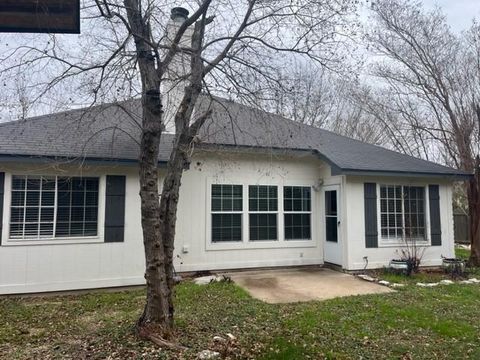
(410, 256)
(454, 266)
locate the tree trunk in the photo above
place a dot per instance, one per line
(179, 161)
(473, 194)
(157, 317)
(156, 321)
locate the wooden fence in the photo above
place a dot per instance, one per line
(460, 227)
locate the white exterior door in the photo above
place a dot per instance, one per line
(332, 246)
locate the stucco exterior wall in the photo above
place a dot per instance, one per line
(83, 263)
(194, 212)
(78, 263)
(378, 257)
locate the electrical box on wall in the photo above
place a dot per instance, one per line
(185, 249)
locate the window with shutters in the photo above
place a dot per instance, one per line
(297, 212)
(227, 212)
(402, 212)
(45, 207)
(263, 209)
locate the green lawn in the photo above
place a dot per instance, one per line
(427, 276)
(415, 322)
(462, 253)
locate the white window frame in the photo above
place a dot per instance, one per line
(267, 212)
(241, 213)
(8, 241)
(298, 212)
(245, 244)
(398, 242)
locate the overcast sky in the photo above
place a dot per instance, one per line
(459, 12)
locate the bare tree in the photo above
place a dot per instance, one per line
(332, 100)
(433, 82)
(130, 49)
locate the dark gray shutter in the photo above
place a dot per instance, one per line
(435, 225)
(2, 191)
(115, 208)
(371, 225)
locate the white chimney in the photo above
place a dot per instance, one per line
(173, 84)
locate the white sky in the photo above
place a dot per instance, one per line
(460, 13)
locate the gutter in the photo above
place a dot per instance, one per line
(67, 160)
(336, 170)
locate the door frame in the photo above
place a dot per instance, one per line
(333, 247)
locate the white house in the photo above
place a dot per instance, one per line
(261, 191)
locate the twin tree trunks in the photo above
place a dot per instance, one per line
(159, 217)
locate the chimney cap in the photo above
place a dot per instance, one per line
(179, 13)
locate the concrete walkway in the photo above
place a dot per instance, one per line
(302, 284)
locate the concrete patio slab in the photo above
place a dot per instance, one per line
(302, 284)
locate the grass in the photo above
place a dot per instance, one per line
(462, 253)
(426, 276)
(414, 323)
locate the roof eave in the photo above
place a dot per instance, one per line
(460, 176)
(49, 159)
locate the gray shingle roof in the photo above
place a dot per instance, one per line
(112, 132)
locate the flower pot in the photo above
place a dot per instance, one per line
(453, 265)
(399, 264)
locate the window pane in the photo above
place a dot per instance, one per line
(262, 198)
(414, 216)
(237, 204)
(31, 230)
(401, 211)
(226, 227)
(78, 198)
(297, 226)
(227, 203)
(91, 214)
(33, 198)
(64, 198)
(46, 214)
(216, 204)
(262, 204)
(18, 182)
(18, 198)
(91, 184)
(31, 214)
(48, 183)
(262, 191)
(91, 198)
(297, 205)
(16, 214)
(48, 198)
(77, 202)
(78, 184)
(64, 183)
(62, 229)
(297, 198)
(16, 230)
(331, 202)
(90, 229)
(227, 198)
(33, 182)
(331, 229)
(263, 227)
(46, 229)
